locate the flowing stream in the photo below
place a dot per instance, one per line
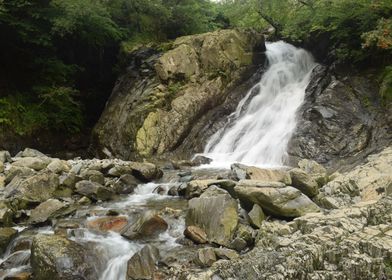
(259, 130)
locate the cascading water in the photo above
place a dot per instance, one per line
(259, 130)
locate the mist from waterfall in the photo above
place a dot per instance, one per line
(259, 131)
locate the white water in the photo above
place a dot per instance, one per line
(259, 130)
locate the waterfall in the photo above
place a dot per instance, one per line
(258, 132)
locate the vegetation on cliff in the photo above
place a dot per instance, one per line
(59, 58)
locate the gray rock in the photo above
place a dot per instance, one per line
(16, 259)
(277, 201)
(37, 188)
(256, 216)
(143, 264)
(304, 182)
(36, 163)
(5, 156)
(196, 234)
(69, 180)
(6, 216)
(149, 224)
(93, 176)
(145, 171)
(226, 254)
(94, 190)
(6, 236)
(17, 171)
(50, 209)
(243, 172)
(56, 257)
(126, 184)
(205, 257)
(28, 152)
(58, 166)
(1, 167)
(216, 212)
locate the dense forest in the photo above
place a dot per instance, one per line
(60, 58)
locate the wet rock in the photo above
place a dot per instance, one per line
(278, 201)
(200, 160)
(16, 259)
(58, 166)
(216, 212)
(256, 216)
(5, 156)
(242, 172)
(304, 182)
(145, 171)
(2, 181)
(19, 276)
(143, 264)
(35, 163)
(196, 234)
(56, 257)
(226, 254)
(37, 188)
(21, 244)
(173, 191)
(205, 257)
(28, 152)
(84, 201)
(6, 216)
(48, 210)
(6, 236)
(147, 225)
(110, 223)
(126, 184)
(94, 190)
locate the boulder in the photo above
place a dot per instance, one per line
(56, 257)
(69, 180)
(205, 257)
(315, 170)
(215, 212)
(18, 258)
(1, 167)
(6, 216)
(94, 190)
(226, 254)
(2, 181)
(6, 236)
(304, 182)
(58, 166)
(149, 224)
(126, 184)
(145, 171)
(19, 276)
(256, 216)
(108, 223)
(93, 176)
(28, 152)
(48, 210)
(17, 171)
(143, 264)
(277, 201)
(5, 156)
(37, 188)
(196, 234)
(196, 187)
(35, 163)
(242, 172)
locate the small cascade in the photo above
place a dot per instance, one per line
(258, 132)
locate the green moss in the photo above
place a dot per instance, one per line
(386, 86)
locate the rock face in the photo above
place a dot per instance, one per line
(55, 257)
(156, 104)
(340, 119)
(277, 201)
(215, 212)
(366, 182)
(348, 243)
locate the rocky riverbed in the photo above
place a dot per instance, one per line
(114, 219)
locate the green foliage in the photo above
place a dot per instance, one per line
(386, 86)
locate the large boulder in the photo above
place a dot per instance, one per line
(35, 189)
(5, 156)
(28, 152)
(215, 212)
(108, 223)
(277, 201)
(242, 172)
(155, 105)
(304, 182)
(56, 257)
(143, 264)
(143, 171)
(35, 163)
(48, 210)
